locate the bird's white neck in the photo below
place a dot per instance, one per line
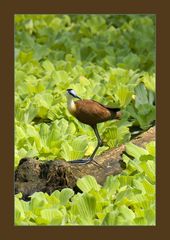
(71, 104)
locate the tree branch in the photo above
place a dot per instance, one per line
(34, 175)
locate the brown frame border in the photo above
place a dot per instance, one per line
(9, 8)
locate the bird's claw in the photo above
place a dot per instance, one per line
(85, 161)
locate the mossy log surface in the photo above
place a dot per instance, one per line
(33, 175)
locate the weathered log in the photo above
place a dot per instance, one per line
(34, 175)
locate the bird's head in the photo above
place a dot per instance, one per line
(71, 93)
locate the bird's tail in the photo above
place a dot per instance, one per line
(116, 113)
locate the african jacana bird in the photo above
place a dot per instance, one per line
(91, 113)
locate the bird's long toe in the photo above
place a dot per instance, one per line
(80, 161)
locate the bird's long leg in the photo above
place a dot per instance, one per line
(99, 144)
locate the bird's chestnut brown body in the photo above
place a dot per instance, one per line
(91, 112)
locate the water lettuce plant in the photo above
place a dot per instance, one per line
(125, 199)
(102, 57)
(111, 59)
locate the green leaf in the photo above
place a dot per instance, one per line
(110, 218)
(51, 216)
(125, 180)
(75, 149)
(149, 81)
(150, 216)
(123, 195)
(141, 95)
(65, 195)
(124, 96)
(38, 201)
(149, 188)
(112, 184)
(128, 214)
(60, 76)
(86, 206)
(134, 150)
(67, 151)
(41, 52)
(19, 211)
(151, 148)
(149, 168)
(87, 183)
(48, 66)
